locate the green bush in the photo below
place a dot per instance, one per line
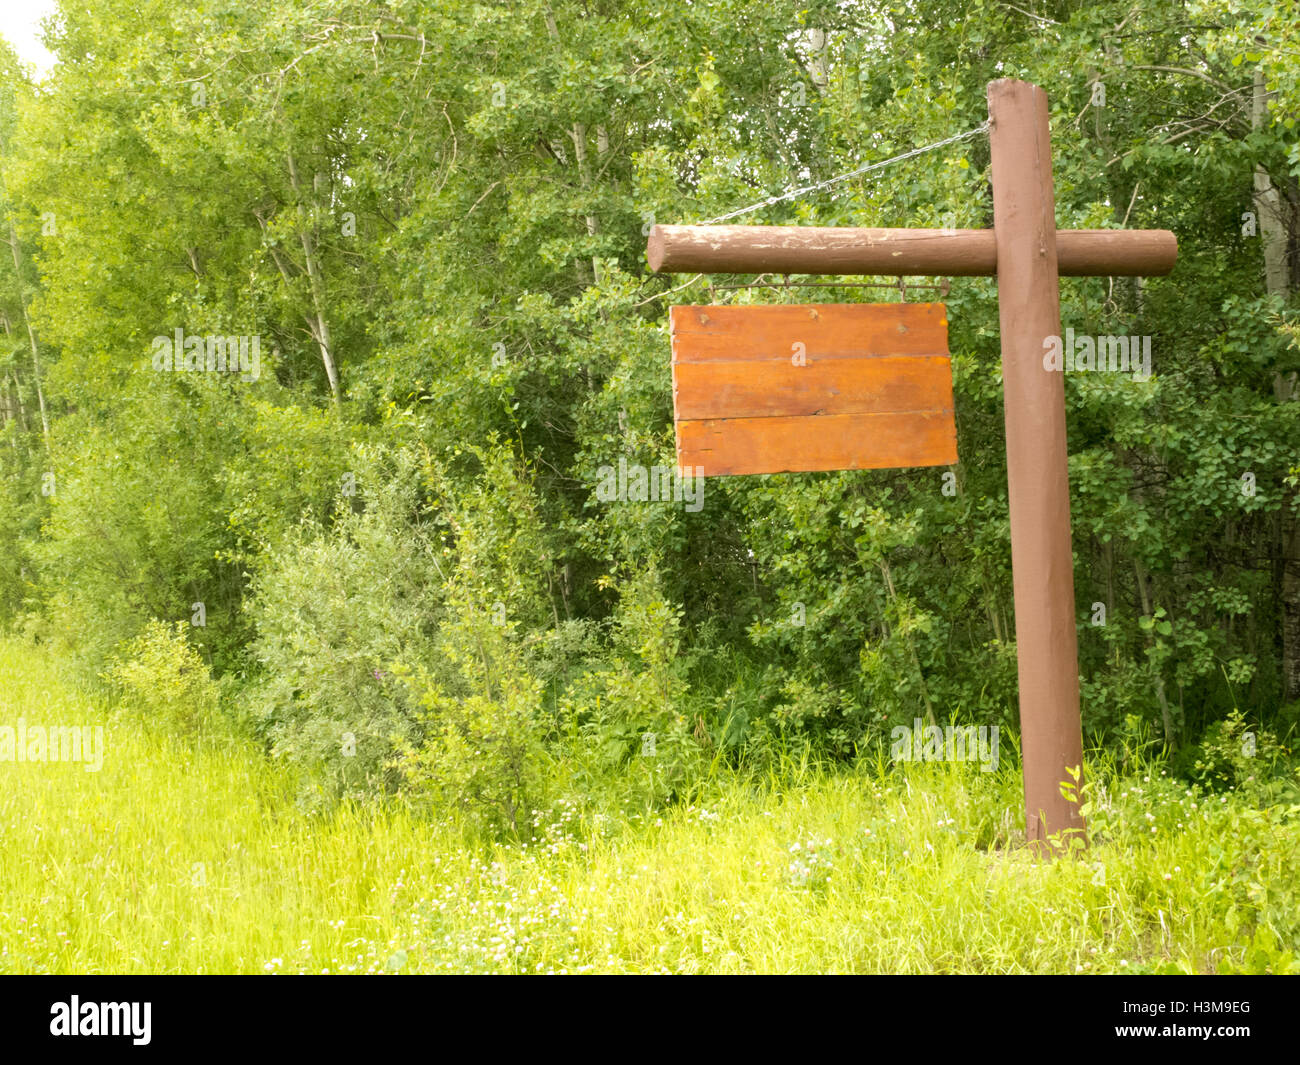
(165, 679)
(482, 750)
(1235, 754)
(332, 608)
(136, 531)
(632, 730)
(482, 721)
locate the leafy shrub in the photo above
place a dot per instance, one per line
(332, 608)
(17, 570)
(482, 750)
(632, 718)
(1235, 754)
(135, 530)
(481, 718)
(165, 679)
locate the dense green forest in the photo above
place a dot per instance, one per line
(414, 232)
(325, 323)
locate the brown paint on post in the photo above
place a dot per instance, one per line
(896, 252)
(1042, 561)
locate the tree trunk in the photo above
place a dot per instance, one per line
(318, 323)
(18, 398)
(1270, 208)
(31, 335)
(1276, 219)
(578, 135)
(1166, 717)
(9, 414)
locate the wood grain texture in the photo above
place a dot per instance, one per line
(828, 330)
(772, 388)
(1038, 483)
(871, 387)
(896, 252)
(724, 447)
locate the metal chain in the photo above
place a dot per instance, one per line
(851, 174)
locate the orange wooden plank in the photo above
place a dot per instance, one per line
(828, 442)
(772, 388)
(827, 330)
(871, 387)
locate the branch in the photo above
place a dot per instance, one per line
(1187, 70)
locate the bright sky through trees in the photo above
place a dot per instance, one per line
(20, 26)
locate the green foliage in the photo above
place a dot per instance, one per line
(202, 862)
(432, 215)
(133, 533)
(17, 532)
(1235, 754)
(333, 608)
(167, 684)
(631, 731)
(463, 283)
(482, 749)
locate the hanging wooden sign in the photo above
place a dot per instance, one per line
(744, 406)
(802, 387)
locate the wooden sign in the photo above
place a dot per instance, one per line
(745, 406)
(796, 388)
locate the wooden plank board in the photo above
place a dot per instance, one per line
(828, 442)
(773, 389)
(832, 330)
(799, 388)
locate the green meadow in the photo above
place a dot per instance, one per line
(177, 858)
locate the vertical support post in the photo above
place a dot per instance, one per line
(1042, 560)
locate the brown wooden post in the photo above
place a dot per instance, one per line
(1028, 254)
(1042, 560)
(858, 250)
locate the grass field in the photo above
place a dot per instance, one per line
(172, 860)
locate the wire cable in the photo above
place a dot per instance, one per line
(851, 174)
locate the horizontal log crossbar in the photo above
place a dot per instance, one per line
(897, 252)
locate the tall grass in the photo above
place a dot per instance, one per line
(176, 860)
